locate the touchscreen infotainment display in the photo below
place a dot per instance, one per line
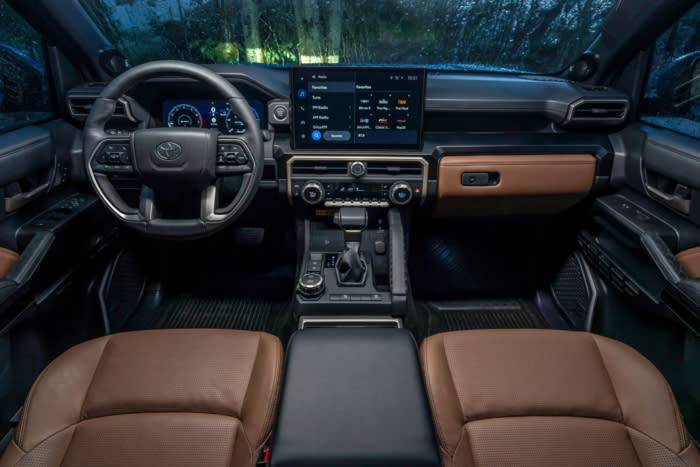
(358, 108)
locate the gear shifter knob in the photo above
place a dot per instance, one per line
(353, 221)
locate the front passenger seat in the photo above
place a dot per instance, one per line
(156, 398)
(550, 398)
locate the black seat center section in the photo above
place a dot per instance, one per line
(353, 397)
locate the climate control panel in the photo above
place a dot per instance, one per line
(357, 194)
(339, 181)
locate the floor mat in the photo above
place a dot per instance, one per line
(250, 314)
(481, 314)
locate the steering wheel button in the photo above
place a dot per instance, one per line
(241, 158)
(231, 157)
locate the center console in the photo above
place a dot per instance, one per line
(353, 168)
(353, 397)
(353, 263)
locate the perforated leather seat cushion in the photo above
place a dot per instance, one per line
(550, 398)
(159, 398)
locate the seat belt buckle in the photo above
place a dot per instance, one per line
(264, 458)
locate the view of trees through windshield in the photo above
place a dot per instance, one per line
(508, 35)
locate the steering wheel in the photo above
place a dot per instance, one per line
(173, 162)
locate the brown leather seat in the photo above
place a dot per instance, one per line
(8, 258)
(157, 398)
(550, 398)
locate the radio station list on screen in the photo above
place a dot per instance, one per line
(369, 108)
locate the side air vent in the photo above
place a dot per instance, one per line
(394, 169)
(80, 106)
(598, 112)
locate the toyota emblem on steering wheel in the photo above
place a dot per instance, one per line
(168, 151)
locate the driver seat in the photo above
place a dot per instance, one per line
(159, 398)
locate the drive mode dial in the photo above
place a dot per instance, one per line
(400, 193)
(312, 193)
(311, 285)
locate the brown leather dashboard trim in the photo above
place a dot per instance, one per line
(528, 183)
(690, 262)
(8, 258)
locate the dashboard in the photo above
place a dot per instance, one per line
(207, 113)
(389, 136)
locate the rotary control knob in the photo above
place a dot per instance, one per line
(311, 285)
(357, 169)
(312, 193)
(400, 193)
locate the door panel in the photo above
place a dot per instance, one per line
(27, 166)
(632, 240)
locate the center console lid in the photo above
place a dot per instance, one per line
(353, 397)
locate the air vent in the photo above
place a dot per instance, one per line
(394, 169)
(598, 112)
(310, 168)
(80, 106)
(385, 168)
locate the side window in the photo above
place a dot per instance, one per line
(25, 95)
(672, 97)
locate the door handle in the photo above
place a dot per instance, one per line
(673, 201)
(12, 203)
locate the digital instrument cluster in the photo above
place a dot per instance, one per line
(345, 108)
(214, 113)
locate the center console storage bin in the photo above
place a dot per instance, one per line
(353, 397)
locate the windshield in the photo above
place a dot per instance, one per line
(537, 36)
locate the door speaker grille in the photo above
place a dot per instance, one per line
(574, 292)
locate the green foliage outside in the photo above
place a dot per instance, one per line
(681, 39)
(16, 33)
(521, 35)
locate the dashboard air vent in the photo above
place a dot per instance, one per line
(322, 167)
(394, 169)
(384, 168)
(598, 112)
(80, 106)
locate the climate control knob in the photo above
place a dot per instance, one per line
(313, 193)
(400, 193)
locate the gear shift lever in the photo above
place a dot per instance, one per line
(351, 268)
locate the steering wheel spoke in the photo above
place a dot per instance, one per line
(208, 203)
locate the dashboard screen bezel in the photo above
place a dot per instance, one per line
(356, 147)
